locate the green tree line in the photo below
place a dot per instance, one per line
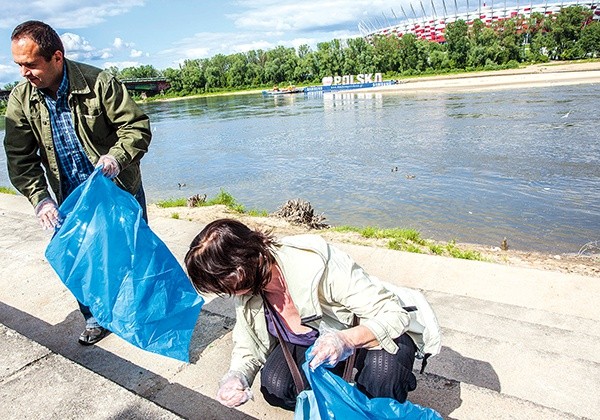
(570, 34)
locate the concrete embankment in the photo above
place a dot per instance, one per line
(518, 343)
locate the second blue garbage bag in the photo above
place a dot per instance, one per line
(108, 257)
(332, 398)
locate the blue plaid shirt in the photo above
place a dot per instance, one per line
(75, 167)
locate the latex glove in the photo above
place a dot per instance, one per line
(234, 389)
(329, 349)
(110, 166)
(47, 214)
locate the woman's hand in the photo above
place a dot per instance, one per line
(333, 346)
(329, 349)
(234, 389)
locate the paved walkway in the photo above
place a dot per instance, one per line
(518, 343)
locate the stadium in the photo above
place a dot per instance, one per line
(431, 25)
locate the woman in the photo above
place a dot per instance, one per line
(312, 290)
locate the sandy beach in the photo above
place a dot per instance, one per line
(537, 75)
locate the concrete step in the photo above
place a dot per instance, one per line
(518, 343)
(462, 400)
(36, 383)
(492, 346)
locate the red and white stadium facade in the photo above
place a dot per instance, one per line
(433, 28)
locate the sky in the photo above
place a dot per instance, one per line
(130, 33)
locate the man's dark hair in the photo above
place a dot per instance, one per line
(42, 34)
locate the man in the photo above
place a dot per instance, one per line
(62, 121)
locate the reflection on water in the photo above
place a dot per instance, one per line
(475, 167)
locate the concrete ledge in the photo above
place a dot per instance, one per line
(518, 343)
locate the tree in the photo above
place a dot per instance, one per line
(566, 31)
(485, 47)
(192, 76)
(438, 57)
(408, 53)
(10, 86)
(280, 65)
(457, 42)
(590, 39)
(306, 69)
(175, 80)
(329, 58)
(510, 42)
(358, 57)
(237, 74)
(215, 72)
(386, 53)
(140, 72)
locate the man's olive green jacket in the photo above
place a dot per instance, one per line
(106, 121)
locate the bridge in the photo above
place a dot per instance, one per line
(4, 94)
(147, 86)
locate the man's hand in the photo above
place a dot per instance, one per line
(47, 213)
(110, 166)
(233, 389)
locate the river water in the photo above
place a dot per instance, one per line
(472, 167)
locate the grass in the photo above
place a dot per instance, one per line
(222, 198)
(7, 190)
(173, 202)
(410, 240)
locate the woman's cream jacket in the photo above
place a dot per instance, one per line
(328, 288)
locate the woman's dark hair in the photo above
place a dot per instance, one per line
(227, 256)
(42, 34)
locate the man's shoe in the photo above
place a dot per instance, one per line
(91, 336)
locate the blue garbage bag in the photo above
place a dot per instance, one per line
(337, 399)
(108, 257)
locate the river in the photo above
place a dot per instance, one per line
(472, 167)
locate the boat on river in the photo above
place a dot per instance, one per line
(290, 90)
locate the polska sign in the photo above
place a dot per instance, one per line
(352, 79)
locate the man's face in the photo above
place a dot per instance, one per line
(40, 73)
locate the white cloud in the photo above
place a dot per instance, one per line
(118, 43)
(64, 13)
(75, 43)
(78, 48)
(8, 74)
(295, 16)
(121, 64)
(136, 53)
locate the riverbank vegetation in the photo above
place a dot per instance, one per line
(569, 35)
(222, 198)
(408, 240)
